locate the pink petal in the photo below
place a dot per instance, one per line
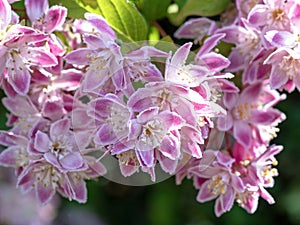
(147, 115)
(236, 61)
(36, 8)
(80, 191)
(128, 170)
(230, 100)
(181, 55)
(225, 123)
(44, 192)
(79, 56)
(41, 142)
(9, 156)
(265, 117)
(278, 78)
(20, 81)
(205, 194)
(53, 110)
(72, 161)
(209, 44)
(281, 39)
(168, 165)
(60, 128)
(215, 62)
(243, 133)
(51, 158)
(40, 57)
(54, 19)
(266, 195)
(5, 14)
(146, 157)
(105, 135)
(258, 15)
(196, 28)
(170, 148)
(237, 184)
(250, 94)
(171, 120)
(234, 33)
(94, 79)
(20, 106)
(228, 198)
(96, 168)
(100, 23)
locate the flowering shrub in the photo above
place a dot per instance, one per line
(84, 89)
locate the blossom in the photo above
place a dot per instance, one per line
(214, 178)
(196, 29)
(284, 60)
(272, 14)
(256, 167)
(111, 117)
(18, 53)
(245, 113)
(102, 56)
(59, 147)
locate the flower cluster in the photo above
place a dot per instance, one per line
(42, 144)
(72, 101)
(264, 60)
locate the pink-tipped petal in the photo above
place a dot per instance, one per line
(41, 142)
(242, 132)
(36, 8)
(44, 192)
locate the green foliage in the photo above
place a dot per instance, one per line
(122, 16)
(153, 34)
(73, 10)
(155, 9)
(200, 8)
(88, 5)
(3, 112)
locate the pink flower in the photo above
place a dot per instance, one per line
(247, 42)
(196, 29)
(15, 155)
(271, 14)
(111, 117)
(59, 147)
(256, 167)
(245, 112)
(18, 53)
(5, 15)
(102, 56)
(285, 60)
(214, 178)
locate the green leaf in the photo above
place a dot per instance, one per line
(88, 5)
(153, 34)
(155, 9)
(202, 8)
(138, 3)
(121, 15)
(125, 19)
(73, 10)
(180, 3)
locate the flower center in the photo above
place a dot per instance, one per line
(290, 66)
(243, 111)
(217, 185)
(153, 133)
(128, 158)
(278, 14)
